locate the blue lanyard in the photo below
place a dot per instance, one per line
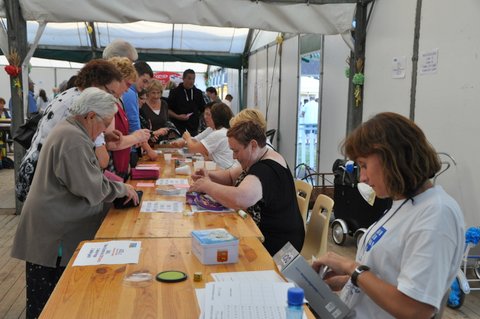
(380, 231)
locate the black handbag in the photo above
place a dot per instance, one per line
(119, 202)
(24, 134)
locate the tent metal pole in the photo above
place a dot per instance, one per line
(17, 40)
(416, 40)
(357, 62)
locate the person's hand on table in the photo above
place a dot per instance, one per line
(131, 194)
(201, 185)
(152, 155)
(201, 173)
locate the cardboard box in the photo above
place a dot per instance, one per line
(325, 303)
(215, 246)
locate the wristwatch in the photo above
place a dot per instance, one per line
(357, 273)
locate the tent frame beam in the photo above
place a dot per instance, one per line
(17, 41)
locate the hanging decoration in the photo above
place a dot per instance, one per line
(358, 80)
(14, 70)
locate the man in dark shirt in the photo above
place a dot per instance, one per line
(185, 104)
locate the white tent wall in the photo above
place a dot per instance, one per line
(446, 101)
(334, 96)
(44, 78)
(334, 101)
(233, 89)
(287, 133)
(272, 93)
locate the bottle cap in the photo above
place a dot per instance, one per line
(295, 296)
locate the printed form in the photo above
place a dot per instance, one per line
(260, 300)
(108, 253)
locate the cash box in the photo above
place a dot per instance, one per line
(215, 246)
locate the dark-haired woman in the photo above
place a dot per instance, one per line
(409, 257)
(215, 144)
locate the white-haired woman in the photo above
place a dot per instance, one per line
(66, 198)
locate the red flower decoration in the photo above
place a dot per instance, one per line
(12, 70)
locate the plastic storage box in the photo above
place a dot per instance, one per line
(215, 246)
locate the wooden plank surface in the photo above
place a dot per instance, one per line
(130, 223)
(100, 291)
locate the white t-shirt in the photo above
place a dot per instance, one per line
(218, 149)
(200, 136)
(419, 251)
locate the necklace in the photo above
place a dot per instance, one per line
(265, 153)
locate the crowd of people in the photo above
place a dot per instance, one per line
(112, 112)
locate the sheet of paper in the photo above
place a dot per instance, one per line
(172, 181)
(246, 300)
(108, 253)
(248, 276)
(198, 209)
(428, 62)
(145, 184)
(200, 293)
(161, 206)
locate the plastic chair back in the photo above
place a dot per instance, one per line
(316, 236)
(303, 191)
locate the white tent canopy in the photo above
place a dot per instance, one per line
(214, 32)
(284, 16)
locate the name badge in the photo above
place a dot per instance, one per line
(376, 237)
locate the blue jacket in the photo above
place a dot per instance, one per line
(130, 102)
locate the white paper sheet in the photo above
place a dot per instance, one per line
(108, 253)
(161, 206)
(248, 276)
(172, 181)
(198, 209)
(200, 293)
(261, 300)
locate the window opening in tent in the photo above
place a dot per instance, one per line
(309, 109)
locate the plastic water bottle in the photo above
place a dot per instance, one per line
(295, 303)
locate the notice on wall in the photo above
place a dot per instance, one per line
(399, 64)
(428, 62)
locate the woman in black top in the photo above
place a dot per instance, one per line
(155, 110)
(262, 184)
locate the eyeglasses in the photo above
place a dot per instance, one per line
(109, 91)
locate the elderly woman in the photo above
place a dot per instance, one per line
(409, 257)
(96, 73)
(263, 185)
(215, 144)
(66, 199)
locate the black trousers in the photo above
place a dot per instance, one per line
(41, 281)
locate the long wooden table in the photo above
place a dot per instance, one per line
(130, 223)
(100, 291)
